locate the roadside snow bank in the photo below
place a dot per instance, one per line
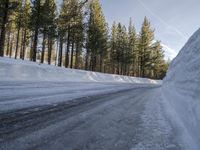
(181, 90)
(18, 70)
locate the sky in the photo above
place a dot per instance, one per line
(174, 21)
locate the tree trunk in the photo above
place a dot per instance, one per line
(60, 52)
(24, 45)
(43, 47)
(11, 46)
(113, 67)
(93, 61)
(8, 43)
(125, 69)
(101, 62)
(87, 60)
(3, 27)
(35, 42)
(72, 54)
(17, 43)
(36, 33)
(112, 60)
(121, 69)
(31, 49)
(50, 44)
(118, 66)
(67, 51)
(77, 56)
(21, 47)
(57, 47)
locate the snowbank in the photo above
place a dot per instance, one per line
(15, 70)
(181, 90)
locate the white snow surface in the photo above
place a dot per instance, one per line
(157, 132)
(181, 91)
(18, 70)
(34, 85)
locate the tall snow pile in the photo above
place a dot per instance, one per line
(18, 70)
(181, 90)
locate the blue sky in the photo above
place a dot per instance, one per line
(174, 21)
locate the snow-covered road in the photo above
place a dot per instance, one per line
(40, 108)
(69, 116)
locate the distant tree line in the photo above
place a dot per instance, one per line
(76, 35)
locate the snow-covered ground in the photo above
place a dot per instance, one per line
(181, 91)
(46, 107)
(35, 85)
(18, 70)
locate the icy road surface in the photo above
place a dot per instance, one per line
(83, 116)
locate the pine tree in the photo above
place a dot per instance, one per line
(145, 41)
(25, 19)
(35, 25)
(48, 27)
(97, 37)
(6, 8)
(119, 48)
(125, 58)
(61, 34)
(52, 28)
(68, 12)
(18, 22)
(132, 46)
(82, 33)
(77, 33)
(158, 66)
(10, 32)
(113, 45)
(79, 39)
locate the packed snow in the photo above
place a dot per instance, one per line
(157, 131)
(181, 91)
(34, 85)
(70, 108)
(18, 70)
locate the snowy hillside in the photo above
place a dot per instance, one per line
(182, 91)
(11, 69)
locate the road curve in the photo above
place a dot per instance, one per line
(110, 121)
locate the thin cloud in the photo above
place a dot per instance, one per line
(169, 52)
(161, 20)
